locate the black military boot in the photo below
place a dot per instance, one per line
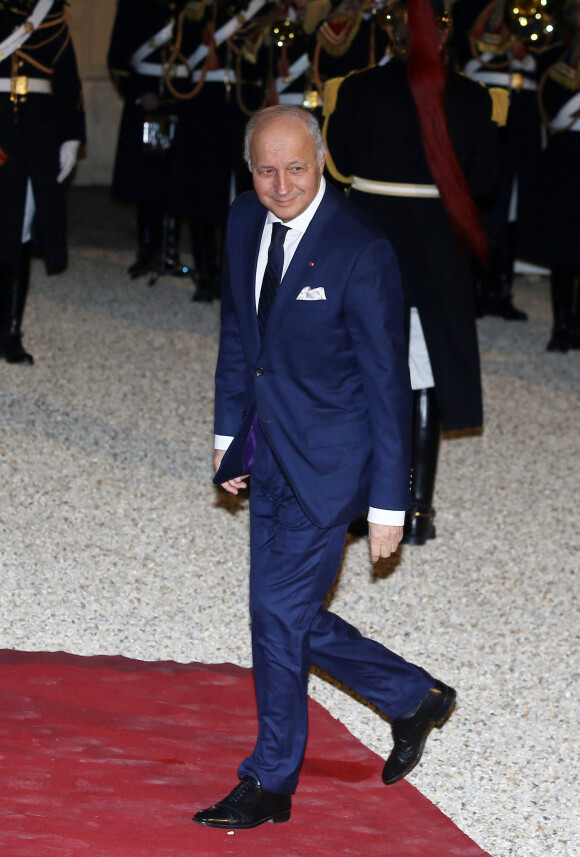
(562, 293)
(149, 238)
(499, 281)
(206, 239)
(419, 526)
(169, 262)
(14, 282)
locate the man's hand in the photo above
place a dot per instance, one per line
(384, 540)
(234, 485)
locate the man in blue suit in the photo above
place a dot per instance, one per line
(313, 398)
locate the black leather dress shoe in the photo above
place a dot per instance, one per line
(411, 732)
(248, 805)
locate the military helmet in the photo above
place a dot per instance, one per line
(394, 15)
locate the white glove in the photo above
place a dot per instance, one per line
(68, 158)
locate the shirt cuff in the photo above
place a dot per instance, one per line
(386, 516)
(221, 441)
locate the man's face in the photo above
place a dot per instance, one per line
(284, 167)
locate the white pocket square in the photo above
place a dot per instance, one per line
(308, 294)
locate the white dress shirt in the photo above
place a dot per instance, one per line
(297, 228)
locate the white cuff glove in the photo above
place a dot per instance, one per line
(68, 158)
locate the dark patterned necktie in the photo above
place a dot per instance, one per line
(272, 274)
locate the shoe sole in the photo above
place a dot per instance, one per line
(275, 819)
(447, 709)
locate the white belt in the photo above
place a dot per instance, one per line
(155, 69)
(294, 98)
(503, 78)
(394, 188)
(23, 85)
(218, 75)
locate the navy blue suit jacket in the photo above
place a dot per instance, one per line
(329, 378)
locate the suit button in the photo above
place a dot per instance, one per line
(259, 371)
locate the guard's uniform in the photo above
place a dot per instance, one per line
(392, 180)
(148, 166)
(490, 53)
(45, 111)
(275, 52)
(560, 101)
(40, 109)
(191, 55)
(560, 106)
(347, 39)
(376, 143)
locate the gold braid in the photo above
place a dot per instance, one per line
(239, 96)
(177, 55)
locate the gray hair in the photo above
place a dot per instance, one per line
(282, 110)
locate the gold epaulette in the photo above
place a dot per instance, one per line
(500, 101)
(565, 75)
(331, 88)
(316, 11)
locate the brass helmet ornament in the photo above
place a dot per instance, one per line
(531, 21)
(393, 16)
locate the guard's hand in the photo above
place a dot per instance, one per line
(233, 486)
(67, 158)
(384, 540)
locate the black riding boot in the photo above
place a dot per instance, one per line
(206, 240)
(149, 238)
(419, 524)
(14, 282)
(562, 293)
(169, 262)
(499, 280)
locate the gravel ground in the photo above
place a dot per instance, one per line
(114, 541)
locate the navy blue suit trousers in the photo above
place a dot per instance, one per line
(293, 566)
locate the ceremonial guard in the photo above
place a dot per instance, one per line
(347, 37)
(416, 142)
(41, 128)
(147, 168)
(276, 46)
(559, 99)
(500, 45)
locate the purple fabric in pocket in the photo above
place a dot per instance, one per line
(250, 445)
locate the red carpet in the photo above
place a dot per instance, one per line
(110, 757)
